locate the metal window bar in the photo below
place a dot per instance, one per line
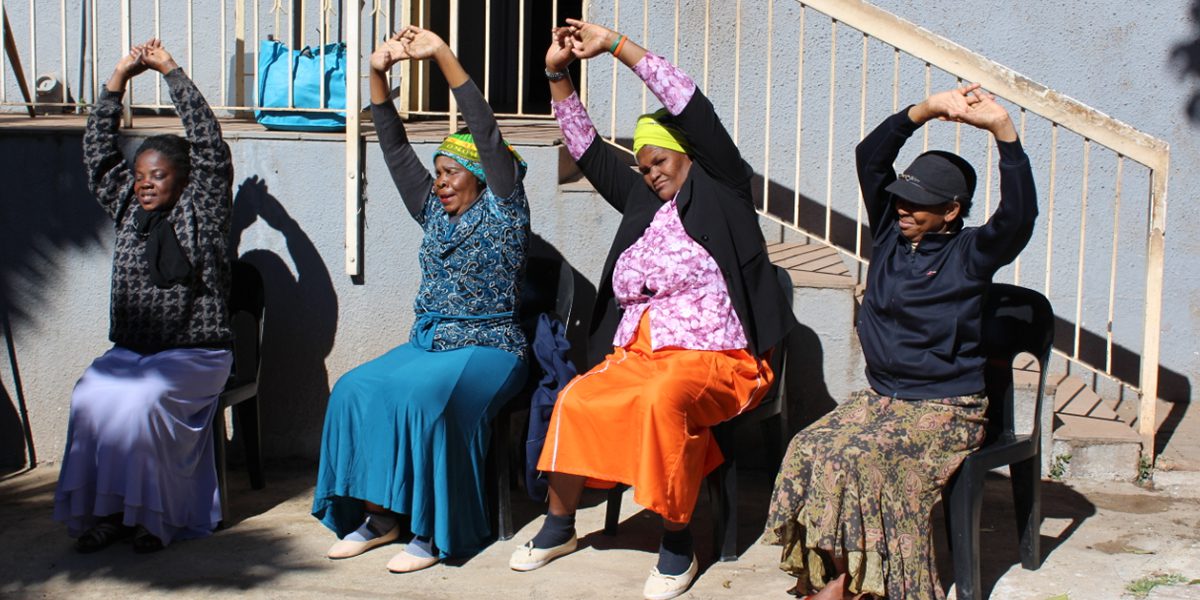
(766, 190)
(4, 55)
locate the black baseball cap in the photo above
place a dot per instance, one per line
(936, 177)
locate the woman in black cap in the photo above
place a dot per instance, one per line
(852, 503)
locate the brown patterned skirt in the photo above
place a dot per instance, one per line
(860, 484)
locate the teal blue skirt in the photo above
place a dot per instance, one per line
(409, 431)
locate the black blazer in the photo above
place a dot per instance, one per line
(716, 208)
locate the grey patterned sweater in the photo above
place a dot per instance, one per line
(145, 318)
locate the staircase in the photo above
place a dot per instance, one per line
(1090, 440)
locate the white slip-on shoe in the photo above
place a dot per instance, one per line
(407, 563)
(349, 548)
(662, 587)
(528, 558)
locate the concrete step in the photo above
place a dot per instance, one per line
(1091, 441)
(1087, 438)
(824, 365)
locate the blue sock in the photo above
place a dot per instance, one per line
(675, 552)
(555, 531)
(375, 525)
(421, 546)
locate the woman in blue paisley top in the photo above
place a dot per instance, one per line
(407, 433)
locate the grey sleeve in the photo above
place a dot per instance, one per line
(497, 161)
(412, 179)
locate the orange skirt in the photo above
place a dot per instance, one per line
(642, 418)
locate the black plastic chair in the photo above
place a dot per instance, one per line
(722, 485)
(549, 287)
(246, 312)
(1015, 320)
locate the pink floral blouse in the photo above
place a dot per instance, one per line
(667, 271)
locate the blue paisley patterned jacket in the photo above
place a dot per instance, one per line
(471, 267)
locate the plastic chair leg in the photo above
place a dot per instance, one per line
(500, 439)
(772, 429)
(251, 433)
(966, 498)
(219, 456)
(612, 510)
(723, 493)
(1027, 499)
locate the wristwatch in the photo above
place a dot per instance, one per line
(555, 75)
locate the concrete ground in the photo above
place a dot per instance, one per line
(1097, 539)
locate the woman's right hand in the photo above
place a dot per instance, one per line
(590, 39)
(950, 105)
(390, 52)
(560, 55)
(131, 65)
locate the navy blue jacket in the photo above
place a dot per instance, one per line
(920, 320)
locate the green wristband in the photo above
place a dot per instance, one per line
(613, 49)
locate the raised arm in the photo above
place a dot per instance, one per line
(711, 145)
(211, 164)
(109, 177)
(600, 163)
(498, 163)
(412, 179)
(875, 158)
(875, 155)
(1007, 231)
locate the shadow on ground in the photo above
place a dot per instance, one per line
(998, 529)
(38, 553)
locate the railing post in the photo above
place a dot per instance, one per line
(126, 25)
(1147, 417)
(353, 181)
(452, 120)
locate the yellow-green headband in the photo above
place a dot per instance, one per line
(651, 131)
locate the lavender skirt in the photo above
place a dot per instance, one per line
(140, 443)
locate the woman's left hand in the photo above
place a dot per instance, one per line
(589, 39)
(420, 44)
(155, 56)
(559, 55)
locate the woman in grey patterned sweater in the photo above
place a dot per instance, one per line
(139, 455)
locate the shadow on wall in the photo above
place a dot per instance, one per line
(301, 315)
(806, 394)
(46, 212)
(47, 208)
(581, 308)
(1186, 58)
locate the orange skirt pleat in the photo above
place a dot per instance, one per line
(642, 418)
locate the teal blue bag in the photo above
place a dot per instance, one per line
(306, 92)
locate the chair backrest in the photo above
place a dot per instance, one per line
(247, 307)
(1015, 320)
(772, 402)
(549, 287)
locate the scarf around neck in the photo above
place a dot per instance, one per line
(165, 260)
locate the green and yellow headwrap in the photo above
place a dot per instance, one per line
(652, 131)
(461, 147)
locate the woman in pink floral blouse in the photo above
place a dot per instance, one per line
(687, 310)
